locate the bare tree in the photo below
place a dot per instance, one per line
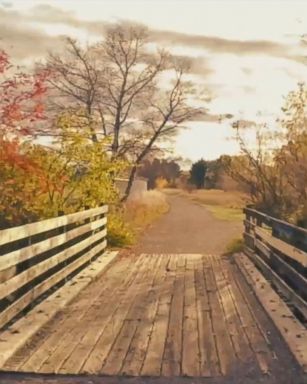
(118, 84)
(165, 114)
(76, 76)
(254, 168)
(129, 77)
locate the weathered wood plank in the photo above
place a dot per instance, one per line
(293, 332)
(209, 361)
(119, 350)
(13, 339)
(59, 361)
(251, 326)
(238, 337)
(227, 359)
(297, 236)
(24, 231)
(135, 357)
(190, 350)
(284, 269)
(153, 360)
(15, 257)
(281, 246)
(232, 314)
(21, 279)
(171, 365)
(18, 305)
(297, 301)
(262, 248)
(83, 339)
(75, 313)
(249, 240)
(101, 350)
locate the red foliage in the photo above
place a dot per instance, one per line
(4, 61)
(21, 106)
(21, 102)
(10, 154)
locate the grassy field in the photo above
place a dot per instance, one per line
(224, 205)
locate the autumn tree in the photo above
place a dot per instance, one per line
(272, 166)
(118, 85)
(21, 108)
(198, 173)
(292, 157)
(169, 170)
(254, 168)
(78, 173)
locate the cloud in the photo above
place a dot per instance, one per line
(245, 123)
(205, 116)
(248, 89)
(247, 71)
(221, 45)
(200, 66)
(48, 14)
(19, 25)
(21, 40)
(197, 65)
(6, 4)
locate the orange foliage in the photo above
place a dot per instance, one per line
(21, 106)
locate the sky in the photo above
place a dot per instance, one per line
(246, 55)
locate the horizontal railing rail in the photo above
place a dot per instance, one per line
(279, 249)
(37, 257)
(287, 232)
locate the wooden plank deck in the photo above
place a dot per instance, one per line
(152, 315)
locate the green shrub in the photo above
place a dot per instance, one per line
(120, 233)
(235, 246)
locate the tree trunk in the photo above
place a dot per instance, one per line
(115, 144)
(90, 121)
(130, 183)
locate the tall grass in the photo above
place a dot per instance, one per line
(129, 221)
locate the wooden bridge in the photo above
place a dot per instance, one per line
(68, 306)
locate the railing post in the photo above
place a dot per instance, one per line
(106, 225)
(63, 231)
(259, 221)
(249, 229)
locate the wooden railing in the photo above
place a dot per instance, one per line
(37, 257)
(279, 250)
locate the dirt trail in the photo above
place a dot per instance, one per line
(189, 227)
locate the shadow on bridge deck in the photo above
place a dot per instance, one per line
(162, 315)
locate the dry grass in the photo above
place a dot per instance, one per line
(216, 197)
(144, 210)
(224, 213)
(127, 223)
